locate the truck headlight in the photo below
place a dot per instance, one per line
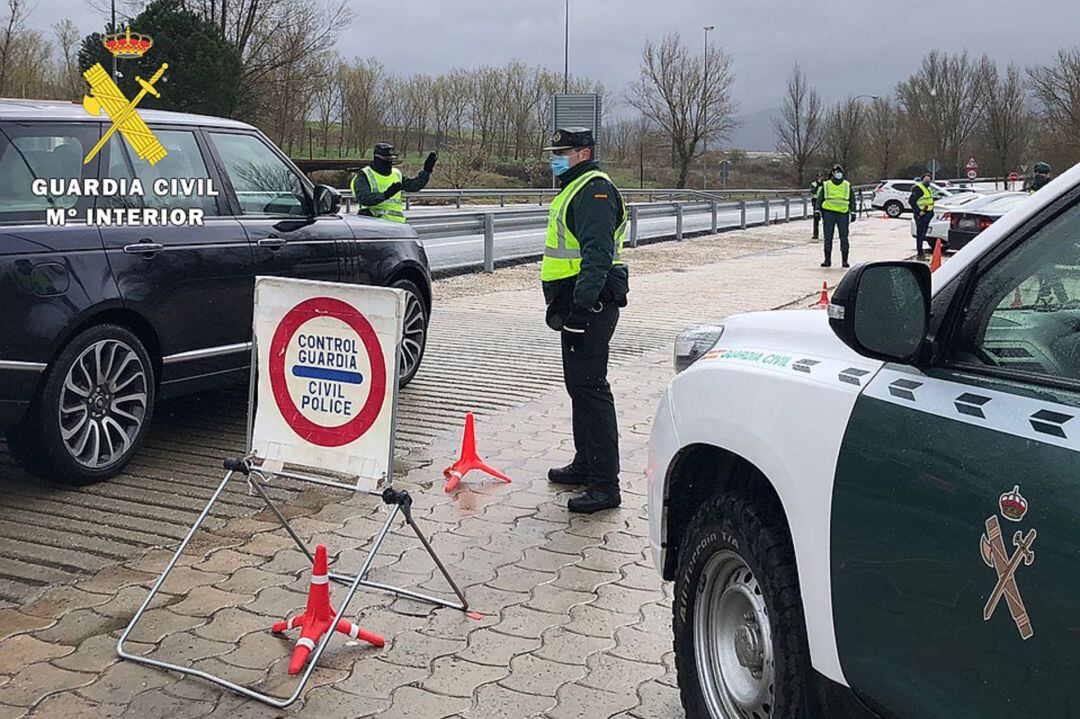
(693, 342)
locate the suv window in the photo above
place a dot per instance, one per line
(184, 162)
(1024, 313)
(263, 182)
(903, 186)
(31, 151)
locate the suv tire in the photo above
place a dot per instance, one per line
(414, 332)
(894, 209)
(94, 409)
(737, 576)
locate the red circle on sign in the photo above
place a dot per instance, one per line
(972, 174)
(1014, 177)
(308, 430)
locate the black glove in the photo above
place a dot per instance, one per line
(574, 326)
(391, 191)
(852, 218)
(429, 163)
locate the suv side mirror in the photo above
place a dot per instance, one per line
(327, 200)
(882, 310)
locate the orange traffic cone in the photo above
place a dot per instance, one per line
(823, 302)
(469, 461)
(935, 259)
(1018, 301)
(884, 215)
(316, 619)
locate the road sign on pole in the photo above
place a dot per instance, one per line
(725, 171)
(932, 167)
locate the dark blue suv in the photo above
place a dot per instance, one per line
(99, 321)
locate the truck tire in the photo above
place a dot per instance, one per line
(94, 409)
(740, 638)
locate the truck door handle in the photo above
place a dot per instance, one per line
(272, 242)
(143, 247)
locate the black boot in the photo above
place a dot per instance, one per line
(594, 500)
(567, 475)
(827, 263)
(845, 263)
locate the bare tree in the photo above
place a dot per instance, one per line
(800, 128)
(945, 102)
(883, 133)
(17, 10)
(1008, 120)
(462, 161)
(672, 93)
(68, 38)
(1056, 87)
(844, 134)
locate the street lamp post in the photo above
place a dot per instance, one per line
(705, 113)
(566, 53)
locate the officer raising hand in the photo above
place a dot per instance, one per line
(377, 187)
(585, 283)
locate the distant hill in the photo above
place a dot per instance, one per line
(755, 131)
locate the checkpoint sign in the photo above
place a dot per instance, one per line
(327, 379)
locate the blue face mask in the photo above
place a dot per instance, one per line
(838, 175)
(560, 164)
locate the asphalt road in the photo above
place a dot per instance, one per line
(447, 252)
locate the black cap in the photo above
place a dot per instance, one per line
(385, 151)
(566, 138)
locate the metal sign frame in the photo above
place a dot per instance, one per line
(250, 469)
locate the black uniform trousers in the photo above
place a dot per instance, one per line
(922, 224)
(817, 224)
(835, 221)
(596, 433)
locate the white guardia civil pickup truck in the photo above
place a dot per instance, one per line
(875, 511)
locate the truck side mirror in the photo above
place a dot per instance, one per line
(882, 310)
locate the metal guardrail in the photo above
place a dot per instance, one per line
(488, 223)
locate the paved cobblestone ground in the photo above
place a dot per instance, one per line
(575, 620)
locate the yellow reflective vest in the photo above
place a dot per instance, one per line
(836, 198)
(391, 208)
(926, 202)
(562, 252)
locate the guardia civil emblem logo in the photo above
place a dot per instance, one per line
(1013, 507)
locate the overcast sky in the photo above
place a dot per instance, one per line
(852, 47)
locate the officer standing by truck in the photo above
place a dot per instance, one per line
(921, 201)
(815, 200)
(585, 282)
(377, 187)
(837, 212)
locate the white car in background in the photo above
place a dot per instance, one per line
(943, 211)
(891, 196)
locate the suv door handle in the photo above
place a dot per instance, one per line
(143, 247)
(272, 242)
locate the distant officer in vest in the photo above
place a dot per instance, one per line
(815, 200)
(585, 283)
(1041, 177)
(921, 201)
(837, 211)
(377, 187)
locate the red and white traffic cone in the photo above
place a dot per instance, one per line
(317, 617)
(935, 259)
(469, 460)
(823, 301)
(1018, 301)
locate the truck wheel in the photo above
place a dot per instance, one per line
(893, 209)
(740, 638)
(414, 331)
(94, 409)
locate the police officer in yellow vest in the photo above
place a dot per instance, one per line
(585, 283)
(377, 187)
(837, 211)
(921, 202)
